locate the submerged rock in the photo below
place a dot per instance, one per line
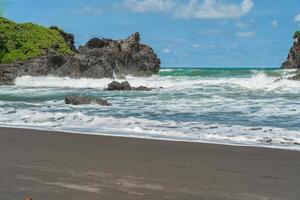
(293, 59)
(82, 100)
(98, 58)
(295, 77)
(125, 86)
(141, 88)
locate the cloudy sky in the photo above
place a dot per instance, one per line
(184, 33)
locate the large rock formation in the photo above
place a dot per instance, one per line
(293, 59)
(99, 58)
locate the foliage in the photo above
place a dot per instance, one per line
(19, 42)
(297, 34)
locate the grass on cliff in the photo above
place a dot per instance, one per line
(19, 42)
(297, 34)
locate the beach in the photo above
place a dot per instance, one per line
(52, 165)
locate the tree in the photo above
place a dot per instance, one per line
(297, 34)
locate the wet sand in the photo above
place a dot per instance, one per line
(60, 166)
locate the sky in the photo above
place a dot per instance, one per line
(184, 33)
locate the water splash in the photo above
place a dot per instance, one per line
(247, 107)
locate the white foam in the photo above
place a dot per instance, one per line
(145, 128)
(174, 112)
(257, 82)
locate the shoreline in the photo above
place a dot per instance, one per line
(55, 165)
(45, 130)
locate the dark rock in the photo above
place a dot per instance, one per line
(119, 86)
(295, 77)
(142, 88)
(126, 85)
(81, 100)
(99, 58)
(96, 43)
(293, 59)
(114, 86)
(69, 38)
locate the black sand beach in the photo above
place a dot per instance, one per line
(59, 166)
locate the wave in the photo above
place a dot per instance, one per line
(247, 107)
(168, 129)
(253, 80)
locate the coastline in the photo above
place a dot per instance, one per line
(55, 165)
(162, 139)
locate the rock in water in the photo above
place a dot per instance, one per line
(57, 56)
(295, 77)
(126, 86)
(119, 86)
(293, 59)
(114, 86)
(81, 100)
(142, 88)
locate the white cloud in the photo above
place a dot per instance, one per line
(87, 10)
(297, 18)
(274, 23)
(246, 34)
(207, 9)
(149, 5)
(196, 45)
(167, 50)
(212, 9)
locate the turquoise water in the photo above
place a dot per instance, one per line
(228, 106)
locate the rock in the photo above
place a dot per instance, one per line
(114, 86)
(293, 59)
(119, 86)
(98, 58)
(295, 77)
(96, 43)
(142, 88)
(126, 86)
(81, 100)
(69, 38)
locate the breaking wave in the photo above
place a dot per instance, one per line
(229, 106)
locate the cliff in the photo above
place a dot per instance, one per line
(29, 49)
(293, 59)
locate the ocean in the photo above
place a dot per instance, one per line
(225, 106)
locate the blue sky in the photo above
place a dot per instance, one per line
(184, 33)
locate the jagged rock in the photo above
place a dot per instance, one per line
(69, 38)
(126, 86)
(81, 100)
(293, 59)
(96, 43)
(119, 86)
(114, 86)
(99, 58)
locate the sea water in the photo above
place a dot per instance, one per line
(227, 106)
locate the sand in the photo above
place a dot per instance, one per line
(60, 166)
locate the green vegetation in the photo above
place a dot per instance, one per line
(19, 42)
(297, 34)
